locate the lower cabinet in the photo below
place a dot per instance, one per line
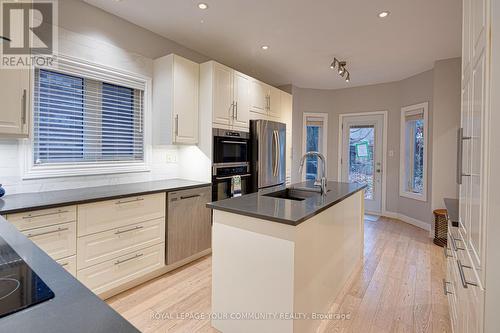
(58, 241)
(114, 273)
(103, 246)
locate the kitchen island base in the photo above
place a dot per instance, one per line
(274, 277)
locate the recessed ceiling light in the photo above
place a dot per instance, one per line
(383, 14)
(265, 47)
(202, 6)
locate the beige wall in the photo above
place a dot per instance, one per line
(386, 97)
(446, 122)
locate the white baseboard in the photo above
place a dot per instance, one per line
(409, 220)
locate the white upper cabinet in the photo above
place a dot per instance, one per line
(223, 102)
(225, 94)
(175, 100)
(15, 96)
(241, 91)
(259, 97)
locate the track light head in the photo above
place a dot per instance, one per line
(341, 68)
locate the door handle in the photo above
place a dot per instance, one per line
(275, 135)
(460, 148)
(23, 105)
(445, 289)
(236, 107)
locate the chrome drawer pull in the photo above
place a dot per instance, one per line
(65, 264)
(445, 290)
(445, 250)
(190, 196)
(129, 230)
(118, 262)
(120, 202)
(229, 177)
(48, 232)
(46, 214)
(454, 244)
(465, 283)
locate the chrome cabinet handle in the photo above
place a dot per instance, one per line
(465, 283)
(47, 232)
(445, 250)
(445, 289)
(64, 264)
(460, 148)
(118, 262)
(46, 214)
(121, 202)
(23, 105)
(119, 232)
(235, 142)
(236, 108)
(454, 244)
(176, 125)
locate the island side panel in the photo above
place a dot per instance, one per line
(252, 272)
(328, 249)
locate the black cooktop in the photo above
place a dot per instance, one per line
(20, 287)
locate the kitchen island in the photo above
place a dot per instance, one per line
(282, 256)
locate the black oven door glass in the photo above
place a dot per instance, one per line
(230, 150)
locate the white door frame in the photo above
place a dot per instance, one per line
(384, 150)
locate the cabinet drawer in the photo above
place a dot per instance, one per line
(69, 264)
(96, 248)
(113, 273)
(112, 214)
(42, 218)
(58, 241)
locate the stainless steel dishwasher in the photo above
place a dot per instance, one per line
(189, 224)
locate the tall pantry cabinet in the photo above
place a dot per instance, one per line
(473, 260)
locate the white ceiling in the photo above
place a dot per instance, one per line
(305, 35)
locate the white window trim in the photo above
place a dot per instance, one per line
(402, 155)
(304, 135)
(79, 67)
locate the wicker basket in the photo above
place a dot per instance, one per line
(440, 227)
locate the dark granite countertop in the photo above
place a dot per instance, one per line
(452, 208)
(287, 211)
(73, 309)
(16, 203)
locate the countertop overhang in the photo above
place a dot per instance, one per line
(287, 211)
(17, 203)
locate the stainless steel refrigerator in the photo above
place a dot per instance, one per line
(268, 157)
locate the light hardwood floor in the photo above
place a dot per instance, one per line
(398, 289)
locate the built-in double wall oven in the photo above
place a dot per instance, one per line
(231, 157)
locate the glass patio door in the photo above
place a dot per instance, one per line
(361, 162)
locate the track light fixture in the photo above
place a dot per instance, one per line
(341, 69)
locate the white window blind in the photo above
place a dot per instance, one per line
(82, 120)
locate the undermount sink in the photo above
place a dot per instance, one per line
(292, 194)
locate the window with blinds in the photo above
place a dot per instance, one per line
(414, 133)
(80, 120)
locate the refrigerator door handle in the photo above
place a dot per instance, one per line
(278, 168)
(276, 147)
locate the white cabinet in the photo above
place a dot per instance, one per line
(467, 265)
(241, 83)
(225, 94)
(259, 93)
(69, 264)
(265, 100)
(175, 100)
(15, 97)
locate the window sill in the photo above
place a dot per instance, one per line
(57, 171)
(414, 196)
